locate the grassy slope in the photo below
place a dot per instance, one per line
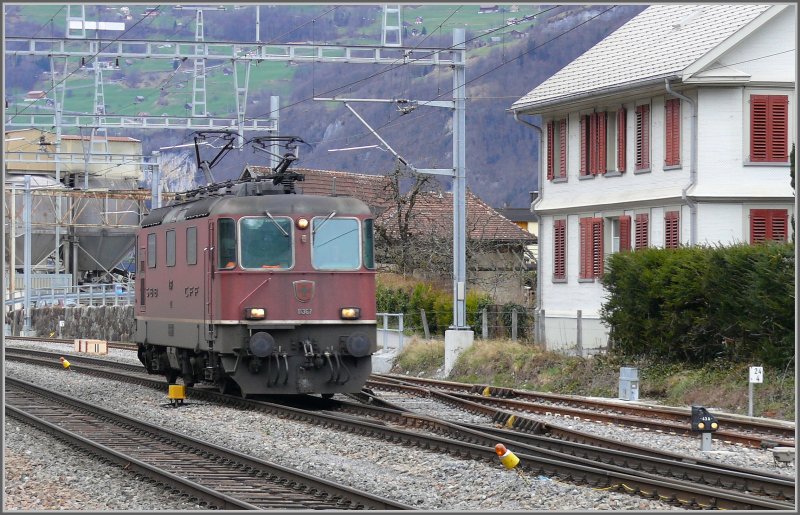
(119, 98)
(505, 363)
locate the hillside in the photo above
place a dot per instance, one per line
(505, 61)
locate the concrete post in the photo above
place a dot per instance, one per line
(514, 324)
(485, 324)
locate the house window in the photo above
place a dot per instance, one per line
(560, 250)
(557, 149)
(672, 118)
(593, 144)
(671, 229)
(768, 225)
(591, 248)
(769, 128)
(618, 236)
(643, 137)
(622, 124)
(642, 226)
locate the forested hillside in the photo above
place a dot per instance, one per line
(505, 61)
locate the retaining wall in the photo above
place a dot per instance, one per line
(114, 323)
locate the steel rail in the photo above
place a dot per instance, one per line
(600, 450)
(676, 420)
(283, 488)
(205, 495)
(592, 473)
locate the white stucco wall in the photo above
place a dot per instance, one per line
(727, 186)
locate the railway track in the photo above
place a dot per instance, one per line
(690, 485)
(67, 341)
(218, 477)
(743, 430)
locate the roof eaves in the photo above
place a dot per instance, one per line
(732, 40)
(532, 107)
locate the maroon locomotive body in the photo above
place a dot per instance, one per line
(254, 290)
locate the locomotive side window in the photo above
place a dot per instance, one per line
(335, 244)
(266, 242)
(191, 245)
(151, 250)
(369, 246)
(227, 243)
(170, 248)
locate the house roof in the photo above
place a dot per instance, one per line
(517, 214)
(433, 211)
(661, 41)
(369, 188)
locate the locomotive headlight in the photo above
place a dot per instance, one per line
(350, 313)
(255, 313)
(302, 223)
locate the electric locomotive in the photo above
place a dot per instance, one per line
(253, 288)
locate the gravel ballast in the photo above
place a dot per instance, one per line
(38, 467)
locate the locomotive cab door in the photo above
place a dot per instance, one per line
(208, 287)
(140, 274)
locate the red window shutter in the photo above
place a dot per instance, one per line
(601, 142)
(780, 218)
(642, 137)
(550, 150)
(769, 128)
(672, 110)
(758, 128)
(778, 147)
(586, 249)
(597, 247)
(593, 144)
(768, 224)
(642, 225)
(758, 226)
(621, 133)
(562, 133)
(646, 133)
(559, 249)
(671, 230)
(624, 232)
(584, 127)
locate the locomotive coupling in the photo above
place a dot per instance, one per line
(507, 458)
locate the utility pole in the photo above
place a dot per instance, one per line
(459, 336)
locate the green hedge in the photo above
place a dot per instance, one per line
(437, 303)
(699, 304)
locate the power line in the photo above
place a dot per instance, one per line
(152, 18)
(390, 67)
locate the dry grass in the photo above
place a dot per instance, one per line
(515, 365)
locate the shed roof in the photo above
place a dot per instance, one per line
(661, 41)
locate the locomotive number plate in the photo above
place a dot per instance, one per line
(303, 311)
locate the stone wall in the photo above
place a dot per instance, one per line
(113, 323)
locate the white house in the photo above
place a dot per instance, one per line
(674, 130)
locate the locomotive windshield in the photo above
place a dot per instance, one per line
(335, 244)
(266, 242)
